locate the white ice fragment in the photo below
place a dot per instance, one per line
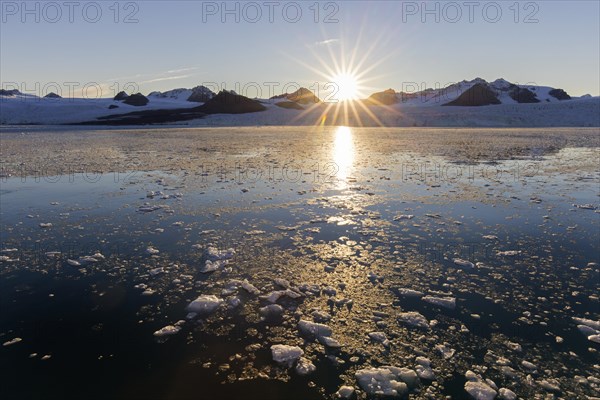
(204, 304)
(45, 225)
(345, 392)
(588, 322)
(151, 250)
(528, 365)
(167, 331)
(490, 237)
(386, 380)
(594, 338)
(447, 302)
(271, 311)
(314, 329)
(507, 394)
(379, 337)
(305, 366)
(414, 318)
(423, 369)
(403, 216)
(463, 263)
(211, 266)
(404, 292)
(286, 355)
(508, 253)
(445, 351)
(329, 342)
(12, 341)
(480, 390)
(73, 263)
(250, 288)
(214, 254)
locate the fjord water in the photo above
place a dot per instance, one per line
(347, 218)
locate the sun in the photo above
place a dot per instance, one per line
(345, 87)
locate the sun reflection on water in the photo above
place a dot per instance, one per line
(343, 154)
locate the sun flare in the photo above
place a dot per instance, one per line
(345, 87)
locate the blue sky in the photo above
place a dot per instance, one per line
(388, 44)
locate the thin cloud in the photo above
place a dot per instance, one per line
(166, 78)
(327, 42)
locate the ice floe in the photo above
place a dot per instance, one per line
(168, 330)
(414, 318)
(480, 390)
(386, 380)
(205, 304)
(446, 302)
(463, 263)
(286, 355)
(408, 292)
(12, 341)
(305, 366)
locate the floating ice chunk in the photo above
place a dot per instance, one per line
(305, 366)
(275, 295)
(147, 208)
(507, 394)
(379, 337)
(214, 254)
(514, 346)
(329, 342)
(463, 263)
(594, 338)
(282, 283)
(73, 263)
(314, 329)
(586, 330)
(255, 232)
(408, 292)
(211, 266)
(320, 316)
(345, 392)
(447, 302)
(403, 216)
(46, 357)
(508, 253)
(528, 365)
(205, 304)
(167, 331)
(386, 381)
(45, 225)
(151, 250)
(445, 351)
(12, 341)
(156, 271)
(585, 206)
(588, 322)
(490, 237)
(414, 318)
(480, 390)
(550, 385)
(271, 311)
(286, 355)
(250, 288)
(423, 368)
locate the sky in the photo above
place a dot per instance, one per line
(264, 48)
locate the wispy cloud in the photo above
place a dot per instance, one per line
(327, 42)
(165, 78)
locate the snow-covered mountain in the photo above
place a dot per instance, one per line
(504, 91)
(198, 94)
(467, 103)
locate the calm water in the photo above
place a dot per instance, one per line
(347, 225)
